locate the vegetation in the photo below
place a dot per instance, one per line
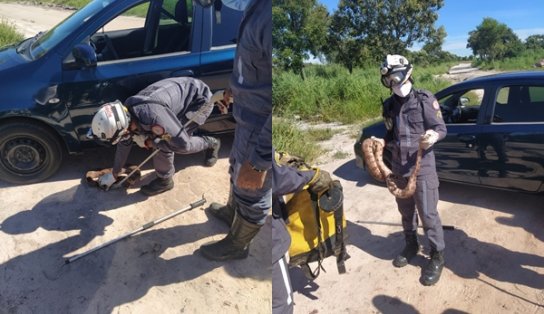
(65, 3)
(8, 34)
(363, 31)
(330, 93)
(300, 28)
(494, 41)
(287, 137)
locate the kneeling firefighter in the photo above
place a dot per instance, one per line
(162, 116)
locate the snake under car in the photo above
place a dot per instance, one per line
(495, 132)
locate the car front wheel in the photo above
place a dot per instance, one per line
(29, 153)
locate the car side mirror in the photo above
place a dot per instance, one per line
(84, 55)
(464, 101)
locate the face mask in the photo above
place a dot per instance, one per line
(403, 90)
(239, 5)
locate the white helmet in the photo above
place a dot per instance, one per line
(395, 70)
(111, 122)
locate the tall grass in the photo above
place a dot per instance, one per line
(287, 137)
(331, 93)
(65, 3)
(524, 61)
(9, 34)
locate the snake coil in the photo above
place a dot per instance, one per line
(373, 157)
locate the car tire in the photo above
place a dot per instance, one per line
(29, 153)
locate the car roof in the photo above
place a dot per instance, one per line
(505, 77)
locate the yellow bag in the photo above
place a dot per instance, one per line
(312, 241)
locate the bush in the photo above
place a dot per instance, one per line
(9, 34)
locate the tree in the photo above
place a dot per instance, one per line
(300, 28)
(380, 27)
(493, 40)
(534, 42)
(433, 46)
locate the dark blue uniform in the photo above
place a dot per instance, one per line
(286, 180)
(407, 119)
(169, 103)
(251, 85)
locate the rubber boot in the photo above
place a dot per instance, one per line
(157, 186)
(212, 152)
(409, 251)
(224, 212)
(235, 245)
(433, 270)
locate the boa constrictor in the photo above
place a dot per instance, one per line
(373, 156)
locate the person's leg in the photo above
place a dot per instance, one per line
(407, 210)
(194, 144)
(251, 206)
(282, 292)
(427, 200)
(163, 163)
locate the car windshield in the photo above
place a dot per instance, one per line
(55, 35)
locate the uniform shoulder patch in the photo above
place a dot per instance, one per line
(436, 106)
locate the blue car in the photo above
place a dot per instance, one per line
(53, 83)
(495, 132)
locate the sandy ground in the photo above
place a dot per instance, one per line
(156, 271)
(494, 259)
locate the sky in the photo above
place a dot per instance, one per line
(459, 17)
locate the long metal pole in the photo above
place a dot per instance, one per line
(142, 228)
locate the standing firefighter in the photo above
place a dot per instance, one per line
(251, 156)
(160, 110)
(412, 116)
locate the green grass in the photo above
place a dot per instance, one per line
(315, 134)
(330, 94)
(288, 138)
(524, 61)
(8, 34)
(65, 3)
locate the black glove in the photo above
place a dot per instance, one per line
(320, 183)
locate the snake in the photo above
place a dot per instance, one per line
(373, 157)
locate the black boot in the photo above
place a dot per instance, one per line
(212, 152)
(235, 245)
(157, 186)
(223, 212)
(433, 270)
(409, 251)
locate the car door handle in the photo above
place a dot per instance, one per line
(181, 73)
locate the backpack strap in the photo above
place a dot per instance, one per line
(340, 251)
(307, 271)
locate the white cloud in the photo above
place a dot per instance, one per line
(523, 33)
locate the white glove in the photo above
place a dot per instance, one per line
(381, 140)
(105, 181)
(428, 139)
(139, 139)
